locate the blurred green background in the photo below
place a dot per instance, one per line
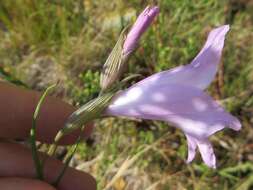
(67, 41)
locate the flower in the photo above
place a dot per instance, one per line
(140, 26)
(177, 97)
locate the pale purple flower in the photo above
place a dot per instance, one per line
(140, 26)
(177, 97)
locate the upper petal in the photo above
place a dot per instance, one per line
(201, 71)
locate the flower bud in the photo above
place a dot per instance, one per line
(140, 26)
(115, 63)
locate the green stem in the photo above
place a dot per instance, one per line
(37, 163)
(68, 159)
(53, 147)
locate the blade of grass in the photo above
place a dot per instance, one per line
(37, 162)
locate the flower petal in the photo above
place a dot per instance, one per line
(192, 145)
(207, 153)
(202, 69)
(188, 108)
(205, 148)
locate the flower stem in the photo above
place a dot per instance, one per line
(68, 159)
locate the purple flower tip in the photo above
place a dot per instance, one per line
(140, 26)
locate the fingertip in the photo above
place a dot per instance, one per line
(71, 138)
(17, 183)
(18, 107)
(88, 130)
(81, 181)
(16, 160)
(72, 178)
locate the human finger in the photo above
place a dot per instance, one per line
(17, 108)
(15, 183)
(16, 160)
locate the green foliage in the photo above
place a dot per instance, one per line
(48, 21)
(90, 89)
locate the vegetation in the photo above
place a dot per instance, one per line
(43, 42)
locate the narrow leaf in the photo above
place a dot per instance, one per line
(37, 162)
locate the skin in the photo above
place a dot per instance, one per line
(16, 164)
